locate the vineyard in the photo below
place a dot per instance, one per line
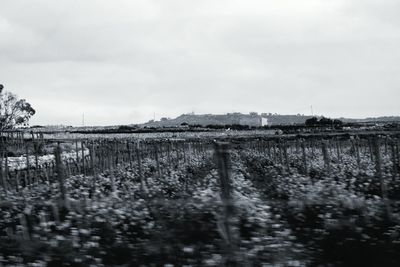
(200, 201)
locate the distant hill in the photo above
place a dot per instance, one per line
(251, 119)
(381, 119)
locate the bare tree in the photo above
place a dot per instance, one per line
(13, 111)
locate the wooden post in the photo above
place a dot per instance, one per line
(128, 147)
(176, 146)
(111, 158)
(16, 180)
(93, 158)
(157, 161)
(338, 151)
(60, 171)
(83, 158)
(227, 223)
(378, 164)
(297, 143)
(285, 154)
(27, 163)
(184, 151)
(279, 152)
(371, 148)
(222, 154)
(116, 153)
(100, 156)
(312, 145)
(376, 145)
(357, 151)
(169, 153)
(68, 168)
(46, 173)
(326, 156)
(139, 165)
(386, 145)
(6, 170)
(3, 178)
(2, 152)
(77, 154)
(36, 151)
(393, 159)
(105, 155)
(397, 148)
(112, 180)
(303, 150)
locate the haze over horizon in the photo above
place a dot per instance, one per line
(119, 62)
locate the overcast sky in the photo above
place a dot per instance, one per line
(121, 61)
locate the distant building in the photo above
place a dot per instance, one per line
(264, 121)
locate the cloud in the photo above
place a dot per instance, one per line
(122, 61)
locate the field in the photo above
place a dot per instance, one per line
(248, 200)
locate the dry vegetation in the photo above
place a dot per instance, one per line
(253, 202)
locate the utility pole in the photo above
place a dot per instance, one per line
(312, 111)
(83, 119)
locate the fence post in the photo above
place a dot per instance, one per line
(227, 222)
(371, 148)
(68, 165)
(16, 180)
(77, 155)
(397, 146)
(6, 170)
(394, 158)
(93, 158)
(326, 156)
(312, 146)
(111, 171)
(60, 172)
(376, 146)
(101, 156)
(280, 152)
(303, 150)
(269, 150)
(184, 151)
(169, 152)
(3, 178)
(27, 163)
(338, 151)
(275, 152)
(285, 154)
(157, 161)
(36, 151)
(378, 164)
(176, 147)
(357, 151)
(83, 158)
(116, 152)
(143, 182)
(128, 147)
